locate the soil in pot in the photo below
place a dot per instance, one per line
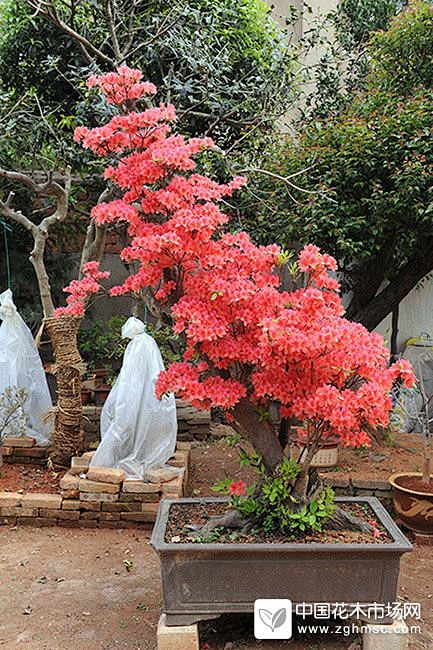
(416, 484)
(185, 515)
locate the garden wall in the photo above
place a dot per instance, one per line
(192, 424)
(102, 500)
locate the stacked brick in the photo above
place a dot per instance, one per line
(192, 424)
(99, 497)
(360, 487)
(23, 450)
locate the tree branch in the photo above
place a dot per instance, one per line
(39, 232)
(47, 8)
(415, 269)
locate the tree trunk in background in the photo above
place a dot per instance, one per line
(67, 437)
(416, 268)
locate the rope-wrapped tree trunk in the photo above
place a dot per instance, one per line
(67, 437)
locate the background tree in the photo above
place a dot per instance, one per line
(227, 64)
(373, 164)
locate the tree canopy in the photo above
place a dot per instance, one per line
(369, 196)
(226, 64)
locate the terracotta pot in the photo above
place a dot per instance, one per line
(202, 581)
(85, 395)
(101, 394)
(100, 375)
(413, 507)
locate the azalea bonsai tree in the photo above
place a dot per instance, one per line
(254, 345)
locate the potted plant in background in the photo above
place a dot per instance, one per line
(102, 348)
(413, 491)
(253, 344)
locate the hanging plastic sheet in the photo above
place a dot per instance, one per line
(419, 351)
(21, 367)
(138, 431)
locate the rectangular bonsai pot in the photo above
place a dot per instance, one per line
(203, 581)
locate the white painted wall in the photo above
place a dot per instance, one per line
(415, 315)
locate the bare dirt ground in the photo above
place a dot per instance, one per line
(71, 589)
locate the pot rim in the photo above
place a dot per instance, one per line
(399, 541)
(393, 481)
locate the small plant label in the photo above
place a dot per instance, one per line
(273, 618)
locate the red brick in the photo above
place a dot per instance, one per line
(69, 482)
(27, 512)
(10, 499)
(88, 516)
(33, 452)
(47, 512)
(9, 511)
(18, 441)
(45, 522)
(109, 516)
(112, 524)
(92, 507)
(122, 507)
(28, 521)
(106, 475)
(180, 459)
(69, 515)
(94, 497)
(8, 521)
(70, 494)
(97, 487)
(78, 524)
(79, 465)
(5, 451)
(71, 504)
(35, 500)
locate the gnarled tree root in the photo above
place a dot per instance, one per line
(233, 520)
(342, 520)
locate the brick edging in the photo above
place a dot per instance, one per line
(359, 487)
(84, 503)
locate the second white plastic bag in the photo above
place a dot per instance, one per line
(21, 367)
(138, 431)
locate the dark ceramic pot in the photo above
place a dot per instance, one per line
(413, 507)
(202, 581)
(86, 394)
(101, 394)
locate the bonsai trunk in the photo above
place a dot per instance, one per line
(307, 487)
(67, 437)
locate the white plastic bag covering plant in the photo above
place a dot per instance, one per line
(21, 367)
(138, 431)
(419, 351)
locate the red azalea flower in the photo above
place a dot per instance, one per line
(238, 488)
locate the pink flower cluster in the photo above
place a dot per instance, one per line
(238, 488)
(80, 290)
(122, 86)
(246, 339)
